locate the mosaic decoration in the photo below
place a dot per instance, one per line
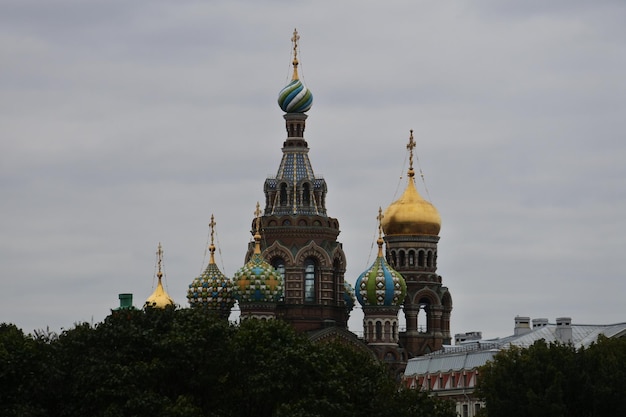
(380, 285)
(212, 290)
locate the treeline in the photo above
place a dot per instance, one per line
(184, 362)
(556, 380)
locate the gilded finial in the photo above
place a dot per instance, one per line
(410, 147)
(380, 231)
(295, 38)
(257, 234)
(159, 262)
(212, 246)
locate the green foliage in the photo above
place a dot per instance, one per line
(186, 362)
(556, 380)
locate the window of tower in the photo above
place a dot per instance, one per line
(379, 330)
(420, 258)
(283, 194)
(336, 275)
(411, 258)
(429, 261)
(309, 280)
(402, 258)
(306, 195)
(394, 261)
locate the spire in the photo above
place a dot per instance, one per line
(294, 39)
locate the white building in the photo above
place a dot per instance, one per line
(453, 371)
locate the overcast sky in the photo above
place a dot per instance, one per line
(125, 124)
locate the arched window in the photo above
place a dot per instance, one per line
(411, 258)
(279, 265)
(420, 258)
(429, 261)
(402, 258)
(309, 280)
(379, 331)
(393, 258)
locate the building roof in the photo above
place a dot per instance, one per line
(473, 354)
(448, 362)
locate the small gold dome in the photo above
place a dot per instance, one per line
(411, 214)
(159, 298)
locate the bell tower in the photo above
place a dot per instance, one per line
(411, 226)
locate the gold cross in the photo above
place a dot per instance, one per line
(212, 226)
(257, 213)
(380, 222)
(410, 147)
(295, 38)
(160, 259)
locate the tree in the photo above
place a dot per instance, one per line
(187, 362)
(556, 380)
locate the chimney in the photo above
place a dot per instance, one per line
(564, 330)
(537, 323)
(522, 325)
(126, 301)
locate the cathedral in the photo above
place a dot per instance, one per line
(295, 267)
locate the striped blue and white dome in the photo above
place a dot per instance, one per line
(295, 97)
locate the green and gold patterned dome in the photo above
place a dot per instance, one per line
(258, 281)
(212, 290)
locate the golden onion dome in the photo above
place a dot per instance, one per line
(411, 214)
(159, 298)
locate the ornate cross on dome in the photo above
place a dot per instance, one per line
(295, 38)
(410, 147)
(159, 261)
(380, 241)
(257, 234)
(212, 246)
(380, 222)
(212, 226)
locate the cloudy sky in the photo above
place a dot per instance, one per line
(125, 124)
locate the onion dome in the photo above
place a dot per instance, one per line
(295, 97)
(258, 281)
(212, 289)
(348, 295)
(380, 284)
(159, 298)
(411, 214)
